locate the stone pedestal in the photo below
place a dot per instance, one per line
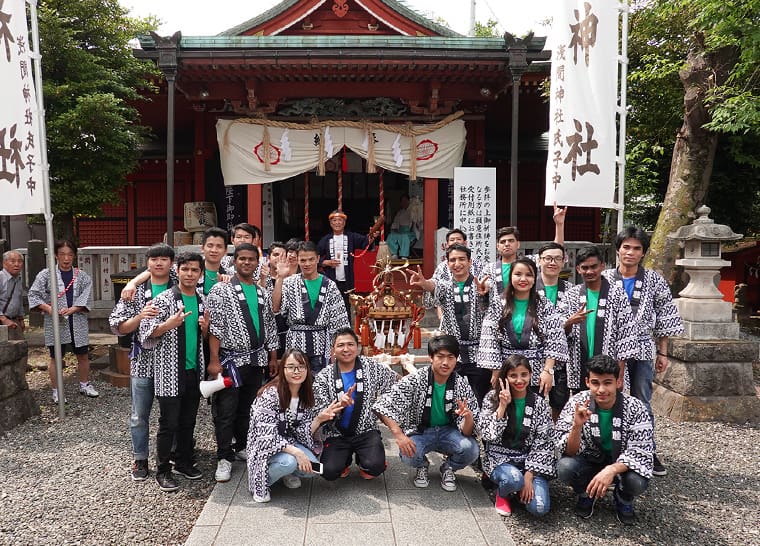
(117, 373)
(708, 380)
(16, 402)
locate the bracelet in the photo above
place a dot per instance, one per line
(661, 354)
(550, 371)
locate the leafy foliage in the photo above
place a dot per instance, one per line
(90, 81)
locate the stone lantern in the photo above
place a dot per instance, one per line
(709, 373)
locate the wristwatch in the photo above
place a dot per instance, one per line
(550, 371)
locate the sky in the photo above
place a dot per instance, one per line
(205, 19)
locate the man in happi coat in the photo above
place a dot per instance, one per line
(243, 343)
(655, 315)
(359, 381)
(312, 306)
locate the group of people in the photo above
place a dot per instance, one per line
(526, 367)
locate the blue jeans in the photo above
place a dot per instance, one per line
(282, 464)
(641, 374)
(511, 479)
(142, 402)
(462, 450)
(579, 471)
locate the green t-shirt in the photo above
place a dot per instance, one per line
(461, 287)
(252, 298)
(505, 270)
(592, 302)
(605, 428)
(156, 289)
(519, 415)
(312, 287)
(191, 332)
(518, 317)
(551, 293)
(210, 278)
(438, 417)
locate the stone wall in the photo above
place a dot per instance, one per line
(16, 402)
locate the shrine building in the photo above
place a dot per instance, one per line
(336, 76)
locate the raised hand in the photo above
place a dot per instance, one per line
(463, 410)
(579, 316)
(505, 396)
(330, 412)
(559, 214)
(416, 278)
(483, 285)
(177, 318)
(582, 413)
(346, 398)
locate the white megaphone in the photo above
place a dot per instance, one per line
(210, 387)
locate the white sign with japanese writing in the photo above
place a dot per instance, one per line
(20, 169)
(475, 209)
(580, 168)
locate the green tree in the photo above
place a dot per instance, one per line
(90, 82)
(694, 89)
(487, 30)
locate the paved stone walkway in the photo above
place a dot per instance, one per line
(351, 511)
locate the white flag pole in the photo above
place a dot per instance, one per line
(623, 113)
(37, 59)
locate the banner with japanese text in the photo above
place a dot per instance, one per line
(20, 169)
(475, 209)
(295, 151)
(580, 167)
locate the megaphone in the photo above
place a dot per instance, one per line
(210, 387)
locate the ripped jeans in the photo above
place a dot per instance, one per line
(511, 479)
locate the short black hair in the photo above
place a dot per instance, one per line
(460, 248)
(252, 230)
(307, 246)
(602, 365)
(508, 230)
(451, 232)
(277, 244)
(632, 232)
(245, 246)
(292, 244)
(443, 342)
(551, 246)
(214, 232)
(160, 250)
(185, 257)
(60, 243)
(344, 331)
(587, 252)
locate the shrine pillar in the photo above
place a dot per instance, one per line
(254, 205)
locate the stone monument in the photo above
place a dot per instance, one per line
(16, 403)
(709, 373)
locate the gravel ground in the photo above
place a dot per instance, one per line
(67, 482)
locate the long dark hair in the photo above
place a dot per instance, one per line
(511, 363)
(305, 391)
(509, 297)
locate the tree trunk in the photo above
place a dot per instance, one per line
(692, 163)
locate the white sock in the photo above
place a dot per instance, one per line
(55, 392)
(83, 385)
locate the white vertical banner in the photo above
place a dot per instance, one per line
(475, 209)
(580, 168)
(20, 165)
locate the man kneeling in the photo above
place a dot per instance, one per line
(605, 436)
(433, 410)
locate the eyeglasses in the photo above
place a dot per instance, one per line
(553, 259)
(295, 369)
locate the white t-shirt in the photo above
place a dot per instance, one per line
(339, 242)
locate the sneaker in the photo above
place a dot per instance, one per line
(448, 480)
(223, 471)
(421, 477)
(88, 390)
(291, 481)
(190, 472)
(241, 455)
(502, 506)
(346, 472)
(165, 481)
(624, 511)
(365, 475)
(265, 498)
(584, 507)
(140, 470)
(658, 468)
(55, 397)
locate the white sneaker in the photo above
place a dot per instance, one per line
(223, 471)
(55, 397)
(448, 479)
(291, 481)
(265, 498)
(88, 390)
(421, 477)
(241, 455)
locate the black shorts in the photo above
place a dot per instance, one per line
(559, 394)
(76, 350)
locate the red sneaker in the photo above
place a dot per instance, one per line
(502, 506)
(346, 472)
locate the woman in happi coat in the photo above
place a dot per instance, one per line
(516, 427)
(283, 435)
(522, 322)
